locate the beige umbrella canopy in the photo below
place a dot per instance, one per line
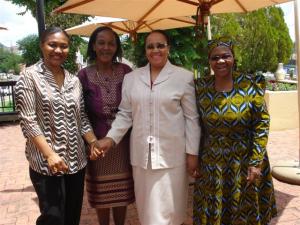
(145, 10)
(131, 27)
(140, 10)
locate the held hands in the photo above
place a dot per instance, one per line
(192, 165)
(56, 164)
(101, 147)
(253, 174)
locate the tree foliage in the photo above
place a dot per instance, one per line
(29, 47)
(261, 37)
(62, 20)
(185, 49)
(9, 62)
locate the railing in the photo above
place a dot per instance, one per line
(7, 101)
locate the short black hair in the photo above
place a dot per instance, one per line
(52, 30)
(162, 32)
(91, 54)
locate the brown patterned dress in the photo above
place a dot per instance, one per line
(109, 180)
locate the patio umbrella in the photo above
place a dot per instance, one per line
(140, 10)
(145, 10)
(131, 27)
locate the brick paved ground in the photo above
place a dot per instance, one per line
(18, 202)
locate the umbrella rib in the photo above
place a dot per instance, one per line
(189, 2)
(149, 12)
(182, 20)
(130, 30)
(139, 26)
(156, 21)
(115, 27)
(72, 6)
(241, 5)
(211, 3)
(125, 24)
(148, 25)
(145, 24)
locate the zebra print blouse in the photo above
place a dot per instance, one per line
(58, 114)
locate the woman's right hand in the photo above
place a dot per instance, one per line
(192, 165)
(254, 173)
(56, 163)
(101, 147)
(95, 151)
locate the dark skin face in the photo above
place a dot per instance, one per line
(105, 46)
(221, 61)
(55, 50)
(157, 50)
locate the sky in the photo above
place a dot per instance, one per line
(21, 26)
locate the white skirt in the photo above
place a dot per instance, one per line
(161, 195)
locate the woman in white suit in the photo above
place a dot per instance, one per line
(158, 102)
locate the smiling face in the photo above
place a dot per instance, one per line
(221, 61)
(105, 46)
(157, 49)
(55, 49)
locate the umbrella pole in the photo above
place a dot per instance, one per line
(40, 16)
(208, 28)
(296, 9)
(287, 171)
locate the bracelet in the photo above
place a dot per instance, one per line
(92, 141)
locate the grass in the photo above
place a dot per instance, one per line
(273, 85)
(7, 107)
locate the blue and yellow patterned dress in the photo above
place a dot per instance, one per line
(235, 125)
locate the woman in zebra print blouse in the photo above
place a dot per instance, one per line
(52, 117)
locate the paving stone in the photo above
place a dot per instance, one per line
(18, 201)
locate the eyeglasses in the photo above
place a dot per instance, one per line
(218, 57)
(159, 46)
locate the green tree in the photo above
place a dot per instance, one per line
(261, 37)
(9, 61)
(284, 43)
(261, 41)
(29, 47)
(62, 20)
(187, 50)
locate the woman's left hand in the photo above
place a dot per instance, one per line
(254, 173)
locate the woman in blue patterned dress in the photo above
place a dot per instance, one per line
(234, 185)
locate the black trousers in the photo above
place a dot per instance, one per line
(60, 197)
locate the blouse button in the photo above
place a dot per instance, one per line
(150, 139)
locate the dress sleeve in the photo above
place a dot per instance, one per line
(192, 127)
(123, 120)
(85, 123)
(83, 80)
(127, 69)
(260, 122)
(81, 76)
(26, 106)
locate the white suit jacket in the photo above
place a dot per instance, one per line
(164, 119)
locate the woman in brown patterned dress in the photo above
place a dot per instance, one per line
(109, 180)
